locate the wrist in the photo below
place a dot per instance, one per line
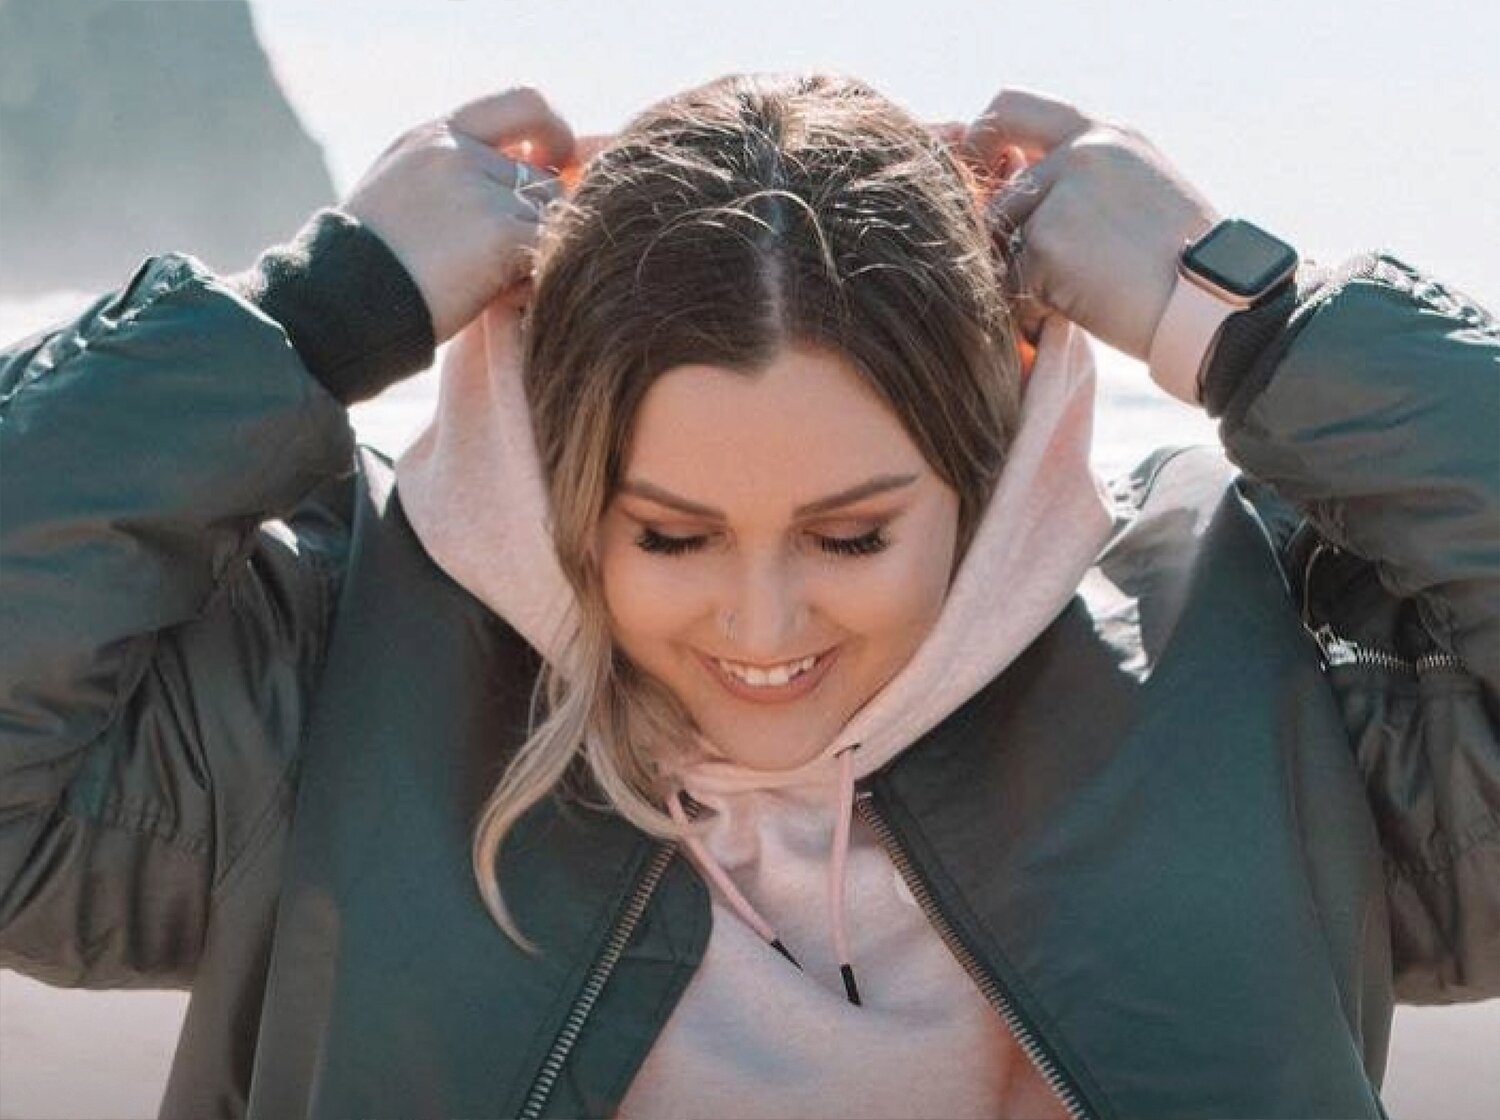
(1231, 284)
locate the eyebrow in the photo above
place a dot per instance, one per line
(880, 484)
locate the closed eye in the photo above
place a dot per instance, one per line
(866, 544)
(652, 541)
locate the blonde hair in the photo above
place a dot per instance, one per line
(720, 225)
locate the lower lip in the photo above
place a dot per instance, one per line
(794, 689)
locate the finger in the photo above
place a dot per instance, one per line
(520, 179)
(950, 133)
(536, 193)
(585, 148)
(1015, 200)
(516, 295)
(1023, 297)
(1025, 304)
(519, 117)
(1031, 121)
(1029, 314)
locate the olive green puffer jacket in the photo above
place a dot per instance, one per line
(1238, 799)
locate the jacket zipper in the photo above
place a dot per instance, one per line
(1337, 650)
(604, 965)
(1341, 651)
(987, 983)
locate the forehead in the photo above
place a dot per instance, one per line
(810, 415)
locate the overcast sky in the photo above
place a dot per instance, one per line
(1340, 125)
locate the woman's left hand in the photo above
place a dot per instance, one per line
(1092, 215)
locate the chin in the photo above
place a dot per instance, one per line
(772, 751)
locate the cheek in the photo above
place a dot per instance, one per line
(883, 602)
(649, 598)
(907, 596)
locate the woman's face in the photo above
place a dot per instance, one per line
(793, 502)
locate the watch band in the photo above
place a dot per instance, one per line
(1184, 338)
(1243, 343)
(1225, 271)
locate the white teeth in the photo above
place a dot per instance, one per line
(764, 678)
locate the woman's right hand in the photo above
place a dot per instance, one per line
(444, 198)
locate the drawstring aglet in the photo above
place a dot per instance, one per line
(851, 989)
(776, 944)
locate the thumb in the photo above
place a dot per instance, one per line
(518, 117)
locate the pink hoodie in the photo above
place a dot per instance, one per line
(756, 1034)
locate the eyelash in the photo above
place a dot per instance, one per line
(865, 545)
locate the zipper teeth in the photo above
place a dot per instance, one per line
(1438, 661)
(1338, 650)
(619, 937)
(988, 986)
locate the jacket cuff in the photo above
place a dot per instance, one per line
(351, 310)
(1255, 341)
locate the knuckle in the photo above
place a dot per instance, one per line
(529, 97)
(423, 136)
(404, 141)
(994, 111)
(1093, 151)
(1005, 99)
(1118, 134)
(1122, 135)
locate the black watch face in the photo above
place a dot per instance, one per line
(1241, 258)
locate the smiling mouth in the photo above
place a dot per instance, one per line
(788, 681)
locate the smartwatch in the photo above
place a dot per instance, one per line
(1233, 267)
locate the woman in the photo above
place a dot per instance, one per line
(983, 792)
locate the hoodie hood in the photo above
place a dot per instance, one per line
(472, 488)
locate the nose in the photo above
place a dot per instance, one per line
(769, 610)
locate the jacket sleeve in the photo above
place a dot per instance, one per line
(167, 576)
(1376, 412)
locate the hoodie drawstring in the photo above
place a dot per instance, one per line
(838, 920)
(720, 878)
(838, 863)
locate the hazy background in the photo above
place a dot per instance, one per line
(1342, 126)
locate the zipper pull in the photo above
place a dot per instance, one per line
(1335, 650)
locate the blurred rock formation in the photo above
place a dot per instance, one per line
(128, 129)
